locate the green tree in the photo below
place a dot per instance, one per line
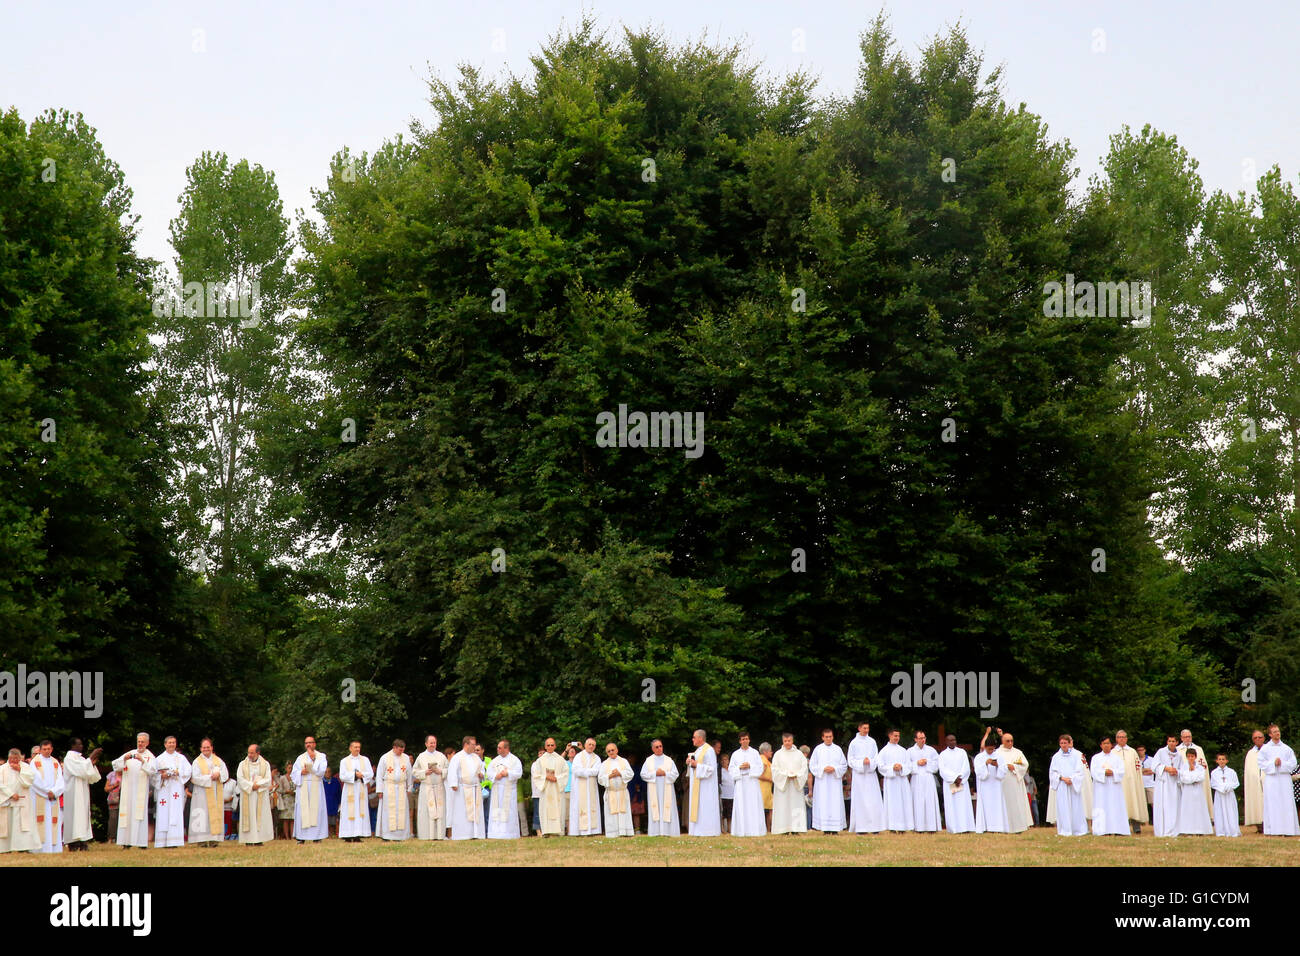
(87, 578)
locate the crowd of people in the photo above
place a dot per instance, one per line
(167, 800)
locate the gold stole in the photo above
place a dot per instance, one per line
(310, 817)
(219, 826)
(664, 813)
(472, 799)
(695, 783)
(551, 794)
(433, 786)
(246, 818)
(357, 783)
(51, 803)
(24, 807)
(584, 801)
(393, 799)
(617, 797)
(138, 793)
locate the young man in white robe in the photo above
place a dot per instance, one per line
(78, 774)
(954, 771)
(1186, 742)
(430, 775)
(1109, 810)
(826, 767)
(789, 774)
(747, 816)
(253, 779)
(584, 798)
(464, 783)
(896, 767)
(1193, 817)
(355, 777)
(171, 772)
(1014, 797)
(310, 816)
(503, 807)
(393, 783)
(1148, 776)
(47, 787)
(990, 806)
(550, 772)
(18, 831)
(866, 808)
(703, 802)
(1224, 783)
(1252, 782)
(1278, 763)
(1065, 781)
(614, 776)
(208, 805)
(1164, 801)
(925, 793)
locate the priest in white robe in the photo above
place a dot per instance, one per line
(660, 773)
(464, 783)
(1164, 800)
(310, 816)
(827, 766)
(355, 777)
(47, 788)
(1014, 796)
(506, 770)
(550, 773)
(1203, 762)
(1065, 782)
(1193, 817)
(990, 805)
(1109, 810)
(954, 771)
(78, 774)
(171, 772)
(747, 815)
(925, 793)
(1278, 763)
(208, 805)
(866, 808)
(430, 774)
(1224, 783)
(614, 776)
(18, 831)
(1135, 797)
(896, 769)
(253, 779)
(584, 796)
(789, 774)
(703, 802)
(1252, 783)
(393, 784)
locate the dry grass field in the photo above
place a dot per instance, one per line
(1037, 847)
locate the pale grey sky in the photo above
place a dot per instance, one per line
(287, 84)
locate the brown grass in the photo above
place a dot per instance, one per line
(1037, 847)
